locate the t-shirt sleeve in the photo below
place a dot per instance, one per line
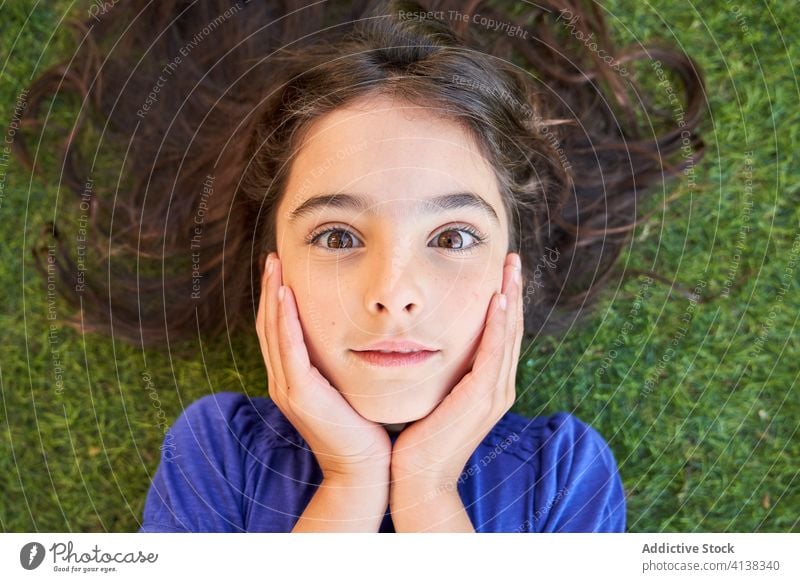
(199, 482)
(580, 489)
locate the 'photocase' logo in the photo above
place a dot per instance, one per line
(31, 555)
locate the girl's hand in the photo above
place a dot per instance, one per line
(346, 445)
(433, 451)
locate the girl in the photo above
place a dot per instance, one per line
(410, 203)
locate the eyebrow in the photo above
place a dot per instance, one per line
(366, 205)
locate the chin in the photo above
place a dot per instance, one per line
(396, 413)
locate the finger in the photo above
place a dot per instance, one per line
(511, 288)
(261, 330)
(272, 334)
(291, 346)
(519, 329)
(489, 357)
(292, 355)
(299, 373)
(261, 315)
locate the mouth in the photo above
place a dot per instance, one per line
(385, 358)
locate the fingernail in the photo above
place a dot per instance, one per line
(517, 262)
(281, 293)
(503, 302)
(517, 278)
(269, 265)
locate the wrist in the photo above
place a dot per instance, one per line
(363, 475)
(422, 479)
(370, 494)
(422, 488)
(428, 506)
(345, 504)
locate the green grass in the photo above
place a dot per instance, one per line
(712, 444)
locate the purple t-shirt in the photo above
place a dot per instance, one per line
(232, 463)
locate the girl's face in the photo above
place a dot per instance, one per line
(412, 249)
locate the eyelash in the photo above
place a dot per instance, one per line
(312, 238)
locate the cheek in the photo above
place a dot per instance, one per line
(322, 325)
(467, 322)
(315, 310)
(466, 312)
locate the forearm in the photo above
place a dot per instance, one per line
(346, 505)
(419, 507)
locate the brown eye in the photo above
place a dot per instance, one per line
(451, 239)
(334, 239)
(340, 239)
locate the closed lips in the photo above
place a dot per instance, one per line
(397, 351)
(386, 358)
(398, 346)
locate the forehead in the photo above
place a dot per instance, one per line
(390, 150)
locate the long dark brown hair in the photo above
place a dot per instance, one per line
(203, 105)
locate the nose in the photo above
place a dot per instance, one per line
(393, 285)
